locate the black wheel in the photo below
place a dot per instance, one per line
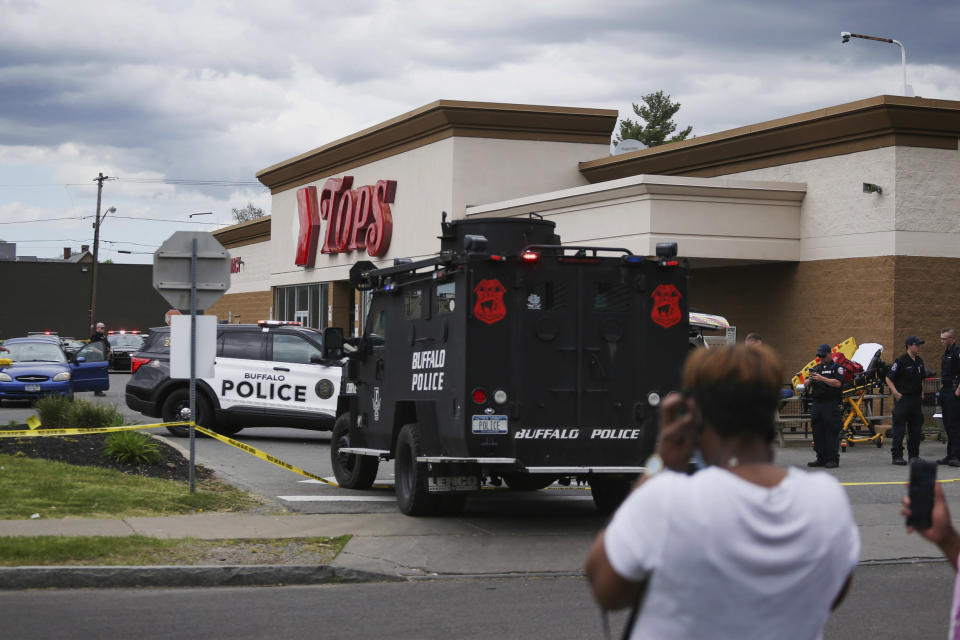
(352, 471)
(410, 476)
(528, 481)
(609, 492)
(179, 400)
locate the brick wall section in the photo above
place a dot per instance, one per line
(246, 308)
(927, 297)
(797, 306)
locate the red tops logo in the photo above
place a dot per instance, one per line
(666, 306)
(489, 307)
(356, 218)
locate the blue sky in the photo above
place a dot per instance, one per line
(167, 95)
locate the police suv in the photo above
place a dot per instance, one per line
(510, 358)
(267, 374)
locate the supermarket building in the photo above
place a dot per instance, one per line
(810, 228)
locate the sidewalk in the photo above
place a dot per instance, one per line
(391, 546)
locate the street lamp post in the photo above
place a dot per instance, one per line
(96, 250)
(846, 35)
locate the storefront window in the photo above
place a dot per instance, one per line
(306, 303)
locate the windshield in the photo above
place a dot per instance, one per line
(34, 352)
(125, 341)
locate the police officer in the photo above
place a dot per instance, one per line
(905, 380)
(826, 382)
(100, 335)
(949, 402)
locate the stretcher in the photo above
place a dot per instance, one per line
(862, 398)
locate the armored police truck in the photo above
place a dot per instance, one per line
(509, 358)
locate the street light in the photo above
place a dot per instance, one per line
(907, 89)
(202, 213)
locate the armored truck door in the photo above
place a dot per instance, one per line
(595, 352)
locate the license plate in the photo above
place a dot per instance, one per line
(447, 484)
(31, 387)
(489, 424)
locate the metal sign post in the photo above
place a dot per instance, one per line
(194, 263)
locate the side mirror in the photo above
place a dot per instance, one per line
(80, 359)
(333, 343)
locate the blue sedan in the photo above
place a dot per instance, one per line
(39, 368)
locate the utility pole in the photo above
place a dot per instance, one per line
(96, 247)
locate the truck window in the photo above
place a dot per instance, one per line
(446, 295)
(288, 348)
(413, 304)
(378, 327)
(611, 297)
(243, 345)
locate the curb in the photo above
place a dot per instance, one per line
(74, 577)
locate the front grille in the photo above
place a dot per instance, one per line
(32, 378)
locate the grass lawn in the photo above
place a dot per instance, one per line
(56, 490)
(143, 550)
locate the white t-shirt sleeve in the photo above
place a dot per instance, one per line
(635, 538)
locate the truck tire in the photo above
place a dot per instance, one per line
(410, 476)
(528, 481)
(352, 471)
(180, 399)
(609, 492)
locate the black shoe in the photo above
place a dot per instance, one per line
(944, 460)
(817, 463)
(954, 462)
(831, 464)
(99, 393)
(900, 462)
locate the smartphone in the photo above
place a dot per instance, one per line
(923, 477)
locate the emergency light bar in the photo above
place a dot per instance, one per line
(530, 256)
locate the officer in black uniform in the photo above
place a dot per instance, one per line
(905, 380)
(949, 402)
(826, 382)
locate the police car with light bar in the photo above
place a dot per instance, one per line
(267, 374)
(509, 358)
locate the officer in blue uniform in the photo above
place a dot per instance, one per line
(905, 380)
(826, 382)
(949, 402)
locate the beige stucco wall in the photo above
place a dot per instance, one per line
(256, 269)
(442, 176)
(918, 212)
(713, 218)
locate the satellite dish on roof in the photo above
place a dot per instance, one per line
(627, 145)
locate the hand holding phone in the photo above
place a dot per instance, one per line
(923, 478)
(679, 431)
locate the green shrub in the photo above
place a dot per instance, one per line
(86, 415)
(54, 412)
(132, 447)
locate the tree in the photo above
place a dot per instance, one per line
(247, 213)
(657, 112)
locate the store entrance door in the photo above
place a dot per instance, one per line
(303, 317)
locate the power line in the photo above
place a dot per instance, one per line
(43, 220)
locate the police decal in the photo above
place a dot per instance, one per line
(427, 370)
(574, 434)
(265, 386)
(489, 307)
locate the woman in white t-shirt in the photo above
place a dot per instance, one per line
(741, 549)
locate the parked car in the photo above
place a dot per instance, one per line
(39, 367)
(123, 344)
(271, 374)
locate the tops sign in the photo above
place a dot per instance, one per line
(356, 218)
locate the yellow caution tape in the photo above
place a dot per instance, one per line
(257, 453)
(33, 422)
(42, 433)
(263, 455)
